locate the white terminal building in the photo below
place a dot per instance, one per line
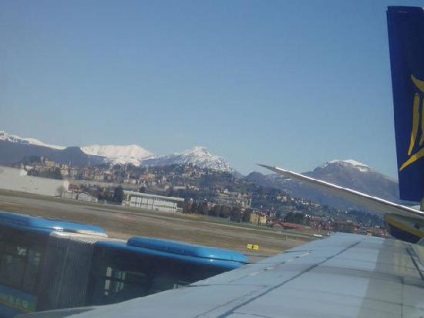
(152, 202)
(17, 180)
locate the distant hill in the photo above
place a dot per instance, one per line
(4, 136)
(12, 152)
(346, 173)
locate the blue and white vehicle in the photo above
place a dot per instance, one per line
(49, 264)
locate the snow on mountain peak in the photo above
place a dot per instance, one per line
(27, 141)
(201, 157)
(137, 155)
(198, 156)
(195, 151)
(358, 165)
(133, 154)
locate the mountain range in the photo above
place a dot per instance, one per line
(345, 173)
(14, 148)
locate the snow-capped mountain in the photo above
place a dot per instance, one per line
(136, 155)
(346, 173)
(14, 148)
(198, 156)
(348, 163)
(355, 175)
(133, 154)
(26, 141)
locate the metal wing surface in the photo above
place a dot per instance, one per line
(345, 275)
(374, 203)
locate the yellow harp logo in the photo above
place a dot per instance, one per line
(417, 121)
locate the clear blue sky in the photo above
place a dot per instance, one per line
(290, 83)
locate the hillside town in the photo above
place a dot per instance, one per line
(188, 188)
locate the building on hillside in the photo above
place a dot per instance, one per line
(152, 202)
(234, 200)
(17, 180)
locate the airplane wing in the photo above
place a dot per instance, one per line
(374, 203)
(345, 275)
